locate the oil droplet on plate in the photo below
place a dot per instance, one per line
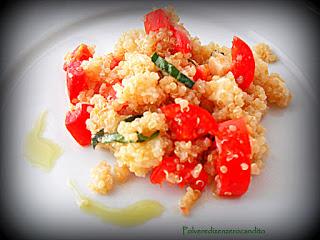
(132, 215)
(39, 151)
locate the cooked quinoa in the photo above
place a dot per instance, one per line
(188, 200)
(102, 179)
(128, 83)
(265, 53)
(121, 173)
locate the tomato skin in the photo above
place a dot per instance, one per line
(76, 77)
(158, 175)
(158, 19)
(189, 124)
(76, 124)
(201, 73)
(76, 80)
(233, 163)
(169, 165)
(115, 62)
(243, 64)
(80, 53)
(107, 90)
(155, 20)
(200, 185)
(183, 43)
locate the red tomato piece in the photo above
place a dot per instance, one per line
(201, 73)
(172, 165)
(125, 110)
(82, 52)
(169, 164)
(95, 85)
(104, 88)
(243, 64)
(76, 124)
(107, 91)
(158, 19)
(184, 172)
(183, 43)
(200, 182)
(189, 124)
(155, 20)
(115, 62)
(233, 163)
(76, 80)
(158, 176)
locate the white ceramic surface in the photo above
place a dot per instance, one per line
(41, 204)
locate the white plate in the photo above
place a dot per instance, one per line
(40, 204)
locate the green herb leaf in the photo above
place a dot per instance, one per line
(101, 137)
(113, 137)
(143, 138)
(132, 118)
(193, 62)
(95, 139)
(171, 70)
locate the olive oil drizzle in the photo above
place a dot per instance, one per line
(39, 151)
(132, 215)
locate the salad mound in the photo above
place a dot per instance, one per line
(174, 110)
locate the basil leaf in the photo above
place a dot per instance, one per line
(193, 62)
(143, 138)
(101, 137)
(132, 118)
(171, 70)
(113, 137)
(95, 139)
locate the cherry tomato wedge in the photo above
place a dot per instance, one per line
(76, 77)
(155, 20)
(76, 124)
(183, 43)
(158, 19)
(243, 64)
(201, 181)
(201, 73)
(169, 164)
(76, 80)
(82, 52)
(233, 163)
(115, 62)
(183, 172)
(107, 90)
(189, 124)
